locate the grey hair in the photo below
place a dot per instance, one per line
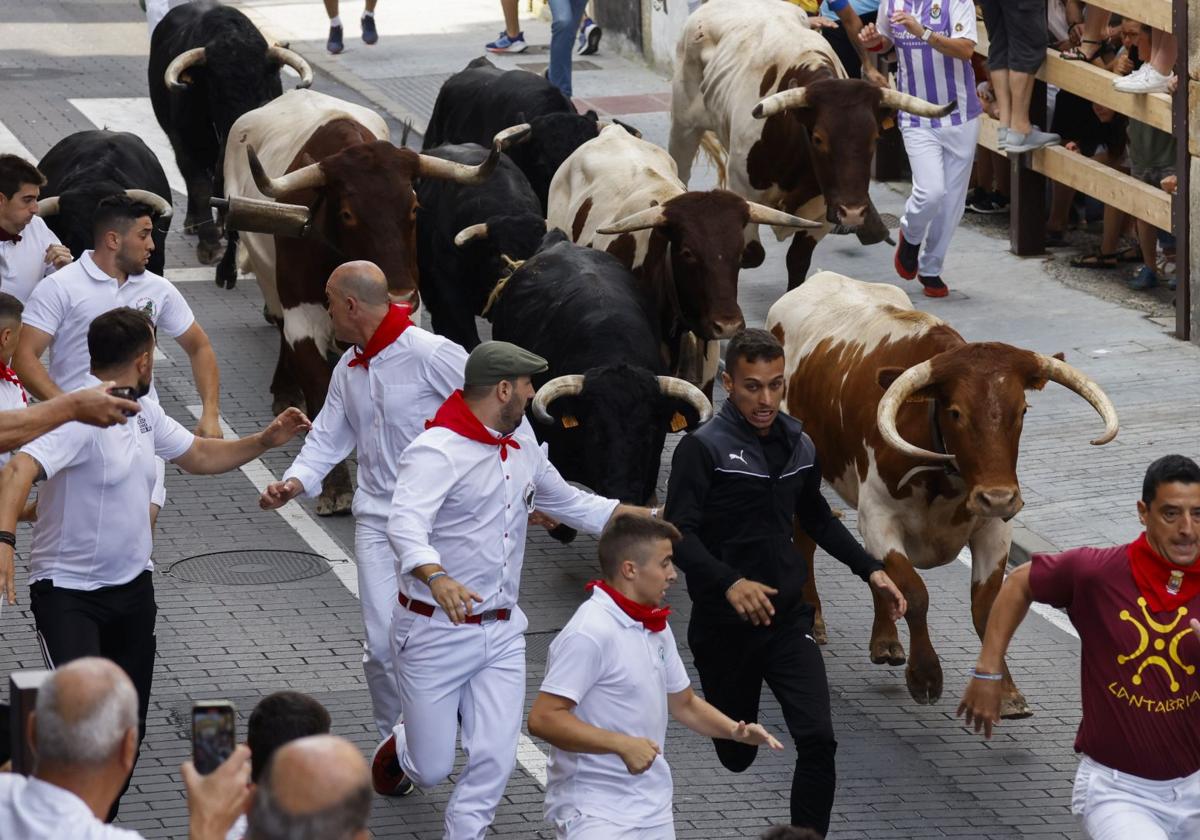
(340, 821)
(92, 739)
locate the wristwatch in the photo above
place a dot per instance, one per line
(927, 34)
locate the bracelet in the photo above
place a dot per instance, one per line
(735, 583)
(8, 538)
(982, 675)
(877, 48)
(435, 576)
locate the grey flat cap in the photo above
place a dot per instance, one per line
(493, 361)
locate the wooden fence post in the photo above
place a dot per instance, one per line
(1186, 113)
(1027, 190)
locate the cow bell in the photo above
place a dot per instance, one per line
(256, 215)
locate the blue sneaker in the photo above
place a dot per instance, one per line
(1144, 280)
(335, 44)
(507, 44)
(589, 37)
(369, 33)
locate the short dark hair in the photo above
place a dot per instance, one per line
(118, 212)
(790, 832)
(1166, 470)
(15, 171)
(118, 336)
(752, 345)
(10, 308)
(626, 535)
(279, 718)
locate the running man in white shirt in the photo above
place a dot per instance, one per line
(382, 391)
(612, 676)
(28, 249)
(464, 492)
(62, 307)
(90, 585)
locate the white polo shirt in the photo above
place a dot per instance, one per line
(618, 674)
(65, 303)
(23, 264)
(93, 525)
(10, 398)
(35, 810)
(458, 504)
(379, 409)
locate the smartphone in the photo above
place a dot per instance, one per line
(214, 734)
(126, 393)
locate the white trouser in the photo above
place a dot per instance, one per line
(941, 160)
(472, 672)
(586, 827)
(1119, 806)
(158, 496)
(377, 592)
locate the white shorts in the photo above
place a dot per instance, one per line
(580, 826)
(1120, 806)
(158, 496)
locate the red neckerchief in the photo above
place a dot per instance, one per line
(5, 236)
(1165, 586)
(456, 416)
(7, 374)
(395, 322)
(653, 619)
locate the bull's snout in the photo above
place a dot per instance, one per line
(725, 327)
(852, 217)
(1003, 502)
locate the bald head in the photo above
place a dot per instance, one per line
(317, 787)
(83, 712)
(362, 280)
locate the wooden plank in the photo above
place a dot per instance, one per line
(1105, 184)
(1157, 13)
(1193, 107)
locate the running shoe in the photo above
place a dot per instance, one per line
(369, 33)
(1016, 143)
(1144, 280)
(589, 37)
(934, 287)
(906, 257)
(508, 44)
(386, 775)
(335, 44)
(1147, 81)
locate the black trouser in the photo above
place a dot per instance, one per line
(733, 661)
(839, 39)
(116, 622)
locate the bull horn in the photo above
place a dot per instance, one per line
(294, 60)
(307, 177)
(652, 217)
(764, 215)
(796, 97)
(1070, 377)
(906, 384)
(183, 61)
(512, 135)
(162, 208)
(467, 234)
(890, 98)
(681, 389)
(559, 386)
(436, 167)
(47, 206)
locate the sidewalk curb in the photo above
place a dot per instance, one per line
(1026, 543)
(329, 65)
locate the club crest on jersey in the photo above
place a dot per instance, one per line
(146, 306)
(936, 11)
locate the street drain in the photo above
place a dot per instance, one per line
(248, 568)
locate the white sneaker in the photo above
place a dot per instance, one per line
(1148, 80)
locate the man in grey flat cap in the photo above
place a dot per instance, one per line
(464, 491)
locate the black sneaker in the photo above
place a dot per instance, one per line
(335, 44)
(906, 258)
(934, 287)
(1000, 201)
(369, 33)
(980, 201)
(973, 198)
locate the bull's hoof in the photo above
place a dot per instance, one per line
(888, 652)
(210, 253)
(754, 254)
(1014, 707)
(334, 504)
(925, 683)
(563, 533)
(226, 276)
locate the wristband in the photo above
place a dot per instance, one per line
(980, 675)
(8, 538)
(877, 48)
(429, 580)
(927, 34)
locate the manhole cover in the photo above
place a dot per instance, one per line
(890, 221)
(245, 568)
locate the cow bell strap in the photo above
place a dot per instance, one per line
(939, 446)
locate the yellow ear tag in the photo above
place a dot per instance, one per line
(569, 421)
(678, 422)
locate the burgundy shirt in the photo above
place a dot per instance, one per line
(1139, 671)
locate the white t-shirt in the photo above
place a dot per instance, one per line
(65, 303)
(31, 809)
(23, 264)
(10, 398)
(93, 525)
(619, 675)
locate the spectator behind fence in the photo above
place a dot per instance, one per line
(84, 734)
(1017, 29)
(316, 788)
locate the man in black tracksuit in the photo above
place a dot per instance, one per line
(735, 485)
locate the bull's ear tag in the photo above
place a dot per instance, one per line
(569, 421)
(678, 422)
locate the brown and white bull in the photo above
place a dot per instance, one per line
(343, 193)
(620, 194)
(919, 430)
(755, 85)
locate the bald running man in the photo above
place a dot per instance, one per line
(383, 389)
(318, 786)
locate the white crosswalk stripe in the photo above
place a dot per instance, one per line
(10, 145)
(134, 114)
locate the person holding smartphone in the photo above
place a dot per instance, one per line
(90, 590)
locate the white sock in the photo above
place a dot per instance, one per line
(336, 20)
(368, 14)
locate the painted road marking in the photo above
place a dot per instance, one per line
(134, 114)
(10, 145)
(1055, 617)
